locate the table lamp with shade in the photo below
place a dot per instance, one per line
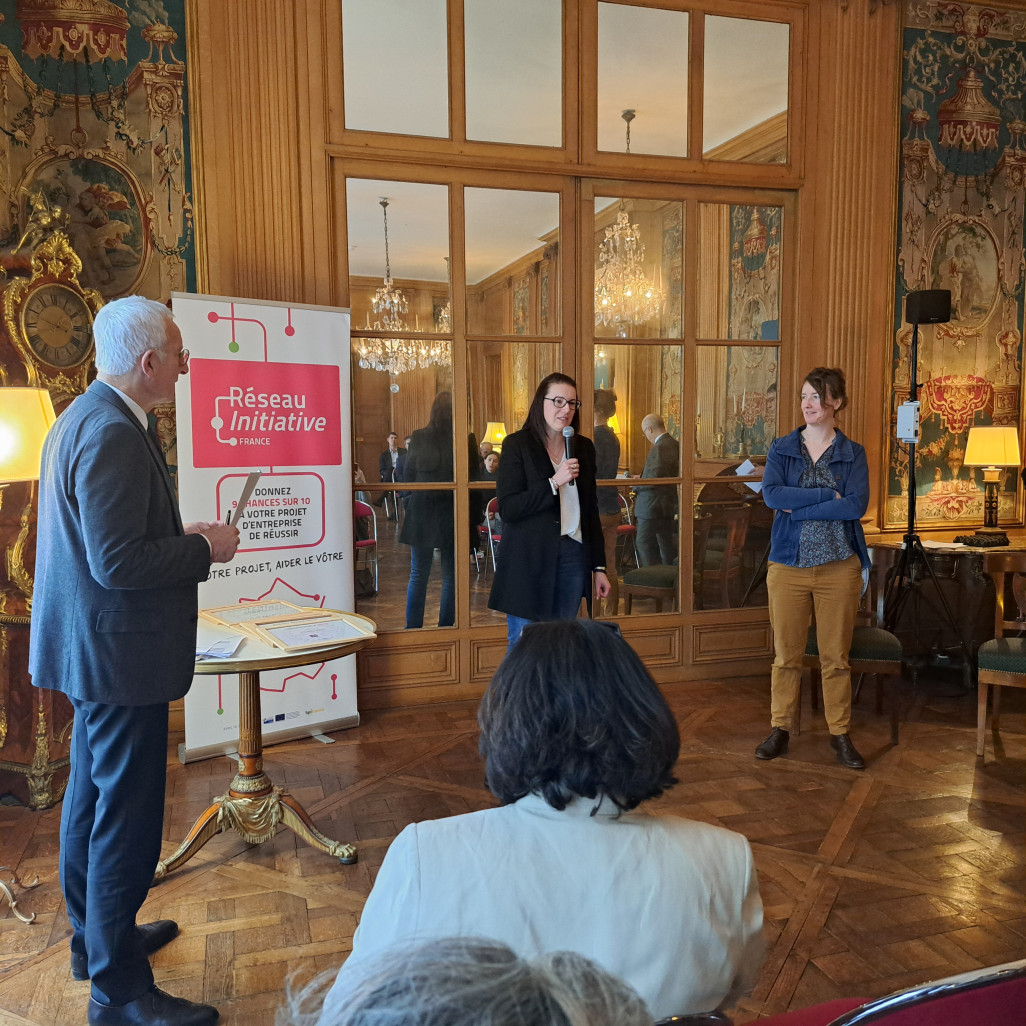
(26, 415)
(991, 448)
(495, 433)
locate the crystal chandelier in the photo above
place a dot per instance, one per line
(396, 355)
(623, 295)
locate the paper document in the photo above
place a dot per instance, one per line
(748, 467)
(222, 648)
(247, 491)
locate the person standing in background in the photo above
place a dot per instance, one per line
(388, 469)
(607, 462)
(428, 520)
(655, 506)
(114, 628)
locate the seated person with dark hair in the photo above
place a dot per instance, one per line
(460, 981)
(575, 735)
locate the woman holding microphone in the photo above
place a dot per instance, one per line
(551, 533)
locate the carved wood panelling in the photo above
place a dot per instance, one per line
(849, 207)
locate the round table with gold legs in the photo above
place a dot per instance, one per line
(253, 805)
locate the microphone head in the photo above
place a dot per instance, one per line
(568, 432)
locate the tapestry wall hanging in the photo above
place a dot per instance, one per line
(961, 216)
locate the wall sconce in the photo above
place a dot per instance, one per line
(991, 448)
(495, 433)
(26, 415)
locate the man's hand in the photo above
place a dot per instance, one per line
(224, 540)
(602, 585)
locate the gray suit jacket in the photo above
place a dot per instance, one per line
(655, 501)
(114, 610)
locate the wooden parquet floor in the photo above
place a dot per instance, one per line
(871, 881)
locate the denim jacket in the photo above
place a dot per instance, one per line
(780, 489)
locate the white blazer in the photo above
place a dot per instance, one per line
(669, 905)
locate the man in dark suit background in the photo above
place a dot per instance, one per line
(389, 469)
(114, 628)
(655, 506)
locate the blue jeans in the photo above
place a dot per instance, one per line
(572, 582)
(421, 559)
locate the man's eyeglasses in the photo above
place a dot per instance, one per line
(183, 356)
(559, 402)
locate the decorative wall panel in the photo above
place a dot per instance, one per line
(93, 122)
(963, 188)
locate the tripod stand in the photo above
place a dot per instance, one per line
(913, 564)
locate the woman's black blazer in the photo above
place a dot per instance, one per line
(525, 578)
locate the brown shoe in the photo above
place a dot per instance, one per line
(774, 745)
(846, 753)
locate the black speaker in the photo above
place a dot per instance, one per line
(928, 306)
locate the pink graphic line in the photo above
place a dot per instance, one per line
(284, 584)
(302, 673)
(289, 330)
(233, 346)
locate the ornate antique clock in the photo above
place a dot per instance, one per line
(46, 341)
(48, 323)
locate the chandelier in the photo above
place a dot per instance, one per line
(623, 294)
(396, 355)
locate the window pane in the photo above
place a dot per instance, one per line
(503, 377)
(512, 262)
(735, 405)
(744, 113)
(401, 555)
(639, 259)
(417, 256)
(643, 66)
(642, 385)
(730, 542)
(739, 272)
(735, 421)
(514, 54)
(395, 66)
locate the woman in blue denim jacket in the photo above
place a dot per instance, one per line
(818, 482)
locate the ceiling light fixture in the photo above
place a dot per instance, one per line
(623, 294)
(396, 355)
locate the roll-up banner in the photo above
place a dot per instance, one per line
(268, 389)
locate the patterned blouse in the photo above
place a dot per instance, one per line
(822, 541)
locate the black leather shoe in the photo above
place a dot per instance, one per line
(774, 745)
(846, 753)
(154, 1008)
(153, 936)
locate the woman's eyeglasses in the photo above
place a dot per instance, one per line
(559, 402)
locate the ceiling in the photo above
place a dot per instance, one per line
(397, 80)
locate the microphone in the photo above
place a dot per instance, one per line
(568, 433)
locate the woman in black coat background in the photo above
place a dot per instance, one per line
(428, 521)
(551, 533)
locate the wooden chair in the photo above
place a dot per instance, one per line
(626, 533)
(654, 582)
(1002, 662)
(492, 527)
(366, 547)
(700, 542)
(723, 561)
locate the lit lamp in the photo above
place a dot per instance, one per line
(991, 448)
(26, 415)
(495, 433)
(614, 424)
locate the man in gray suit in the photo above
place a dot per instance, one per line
(655, 506)
(114, 628)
